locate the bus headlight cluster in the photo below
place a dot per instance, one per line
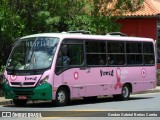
(45, 80)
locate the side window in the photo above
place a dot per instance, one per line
(95, 52)
(116, 53)
(148, 53)
(70, 54)
(134, 53)
(75, 53)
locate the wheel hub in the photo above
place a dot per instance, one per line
(61, 97)
(125, 92)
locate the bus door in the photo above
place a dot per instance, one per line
(68, 68)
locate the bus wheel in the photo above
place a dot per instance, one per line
(124, 95)
(125, 92)
(19, 103)
(62, 97)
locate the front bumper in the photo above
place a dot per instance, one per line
(42, 92)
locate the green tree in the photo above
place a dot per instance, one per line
(21, 17)
(11, 24)
(104, 13)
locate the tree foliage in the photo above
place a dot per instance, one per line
(22, 17)
(11, 24)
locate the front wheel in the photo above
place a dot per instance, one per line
(124, 95)
(19, 103)
(62, 97)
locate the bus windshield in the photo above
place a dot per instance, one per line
(32, 53)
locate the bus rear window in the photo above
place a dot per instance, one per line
(148, 52)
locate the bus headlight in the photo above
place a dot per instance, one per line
(45, 80)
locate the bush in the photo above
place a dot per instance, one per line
(2, 68)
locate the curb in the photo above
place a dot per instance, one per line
(6, 102)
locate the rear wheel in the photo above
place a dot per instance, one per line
(19, 103)
(125, 93)
(62, 97)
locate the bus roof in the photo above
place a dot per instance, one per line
(86, 36)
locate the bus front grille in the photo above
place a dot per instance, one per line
(23, 91)
(22, 83)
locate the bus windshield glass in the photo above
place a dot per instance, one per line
(33, 53)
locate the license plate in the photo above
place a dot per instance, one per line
(22, 97)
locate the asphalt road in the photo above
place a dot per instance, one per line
(102, 108)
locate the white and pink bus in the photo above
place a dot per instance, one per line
(63, 66)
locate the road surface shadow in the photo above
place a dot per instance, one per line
(49, 104)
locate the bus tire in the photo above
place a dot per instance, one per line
(62, 97)
(19, 103)
(125, 93)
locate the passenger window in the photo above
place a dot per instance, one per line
(148, 52)
(96, 59)
(134, 53)
(95, 47)
(95, 52)
(149, 59)
(115, 47)
(116, 59)
(75, 53)
(116, 53)
(70, 54)
(134, 59)
(134, 47)
(148, 48)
